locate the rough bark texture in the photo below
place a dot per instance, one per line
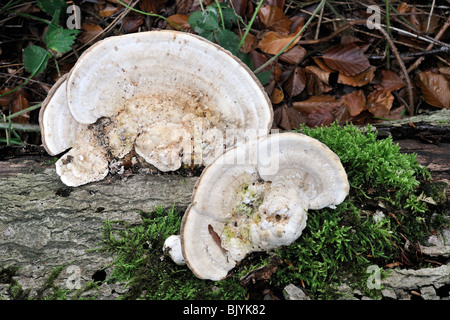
(44, 224)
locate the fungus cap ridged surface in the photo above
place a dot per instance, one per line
(255, 197)
(56, 121)
(132, 89)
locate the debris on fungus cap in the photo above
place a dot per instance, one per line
(56, 121)
(255, 197)
(172, 97)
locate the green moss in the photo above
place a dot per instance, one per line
(149, 274)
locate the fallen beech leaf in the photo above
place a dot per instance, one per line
(323, 65)
(445, 71)
(322, 75)
(288, 118)
(107, 10)
(276, 3)
(435, 89)
(18, 101)
(274, 19)
(293, 56)
(391, 81)
(89, 31)
(152, 5)
(319, 118)
(132, 22)
(180, 20)
(355, 102)
(250, 43)
(296, 82)
(359, 80)
(273, 42)
(379, 102)
(315, 86)
(277, 96)
(314, 103)
(348, 59)
(239, 6)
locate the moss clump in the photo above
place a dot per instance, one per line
(344, 242)
(149, 274)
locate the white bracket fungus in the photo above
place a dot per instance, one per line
(171, 97)
(255, 197)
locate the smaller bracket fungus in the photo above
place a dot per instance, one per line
(255, 197)
(172, 247)
(165, 98)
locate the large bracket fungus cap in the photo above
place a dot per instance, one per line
(56, 122)
(165, 63)
(172, 97)
(255, 197)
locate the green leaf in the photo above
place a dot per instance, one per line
(229, 17)
(264, 77)
(35, 59)
(200, 21)
(60, 40)
(51, 7)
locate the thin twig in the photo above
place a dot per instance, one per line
(402, 66)
(430, 46)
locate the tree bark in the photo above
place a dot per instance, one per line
(44, 224)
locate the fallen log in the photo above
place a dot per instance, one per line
(45, 224)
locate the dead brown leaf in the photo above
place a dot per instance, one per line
(152, 5)
(274, 19)
(318, 118)
(296, 83)
(132, 22)
(348, 59)
(314, 103)
(355, 102)
(249, 44)
(273, 42)
(435, 89)
(323, 65)
(391, 81)
(277, 96)
(358, 80)
(89, 30)
(180, 20)
(107, 10)
(322, 75)
(293, 56)
(15, 102)
(239, 6)
(379, 102)
(288, 118)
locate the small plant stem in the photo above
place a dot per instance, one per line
(151, 14)
(268, 62)
(20, 126)
(27, 80)
(247, 30)
(388, 60)
(37, 106)
(220, 14)
(402, 67)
